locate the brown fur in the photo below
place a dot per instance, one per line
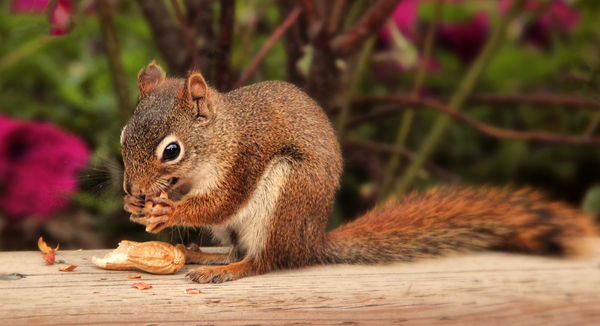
(270, 139)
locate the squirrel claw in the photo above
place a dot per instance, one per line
(134, 210)
(153, 223)
(134, 205)
(161, 201)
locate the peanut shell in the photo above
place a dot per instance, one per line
(153, 257)
(117, 259)
(156, 257)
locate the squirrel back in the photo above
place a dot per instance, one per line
(260, 166)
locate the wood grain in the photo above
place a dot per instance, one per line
(475, 289)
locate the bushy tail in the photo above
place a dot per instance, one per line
(457, 219)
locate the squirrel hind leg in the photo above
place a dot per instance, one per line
(193, 256)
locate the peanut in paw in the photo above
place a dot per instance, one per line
(157, 205)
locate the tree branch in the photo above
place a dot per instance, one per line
(113, 53)
(200, 15)
(225, 35)
(187, 34)
(487, 129)
(267, 46)
(168, 36)
(313, 19)
(370, 23)
(379, 147)
(294, 40)
(535, 100)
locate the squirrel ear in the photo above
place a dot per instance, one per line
(197, 87)
(149, 77)
(196, 91)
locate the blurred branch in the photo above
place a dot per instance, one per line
(535, 100)
(334, 18)
(324, 82)
(379, 114)
(510, 134)
(187, 34)
(458, 98)
(294, 43)
(168, 36)
(311, 14)
(379, 147)
(407, 118)
(370, 23)
(490, 130)
(267, 46)
(226, 21)
(200, 17)
(356, 79)
(593, 125)
(113, 52)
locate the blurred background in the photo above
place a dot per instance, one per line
(421, 92)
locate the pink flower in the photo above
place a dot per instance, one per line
(559, 17)
(29, 6)
(38, 168)
(405, 18)
(464, 39)
(59, 17)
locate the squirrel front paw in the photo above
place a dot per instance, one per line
(153, 212)
(135, 205)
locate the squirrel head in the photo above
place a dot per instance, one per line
(164, 142)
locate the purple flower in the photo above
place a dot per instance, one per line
(38, 168)
(59, 18)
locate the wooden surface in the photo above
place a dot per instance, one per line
(474, 289)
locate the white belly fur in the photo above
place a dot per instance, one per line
(251, 222)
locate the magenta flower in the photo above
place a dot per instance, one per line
(558, 18)
(38, 168)
(464, 39)
(59, 17)
(405, 19)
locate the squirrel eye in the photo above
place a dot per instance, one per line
(171, 152)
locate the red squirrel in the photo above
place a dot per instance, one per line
(259, 166)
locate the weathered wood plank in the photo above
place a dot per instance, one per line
(475, 289)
